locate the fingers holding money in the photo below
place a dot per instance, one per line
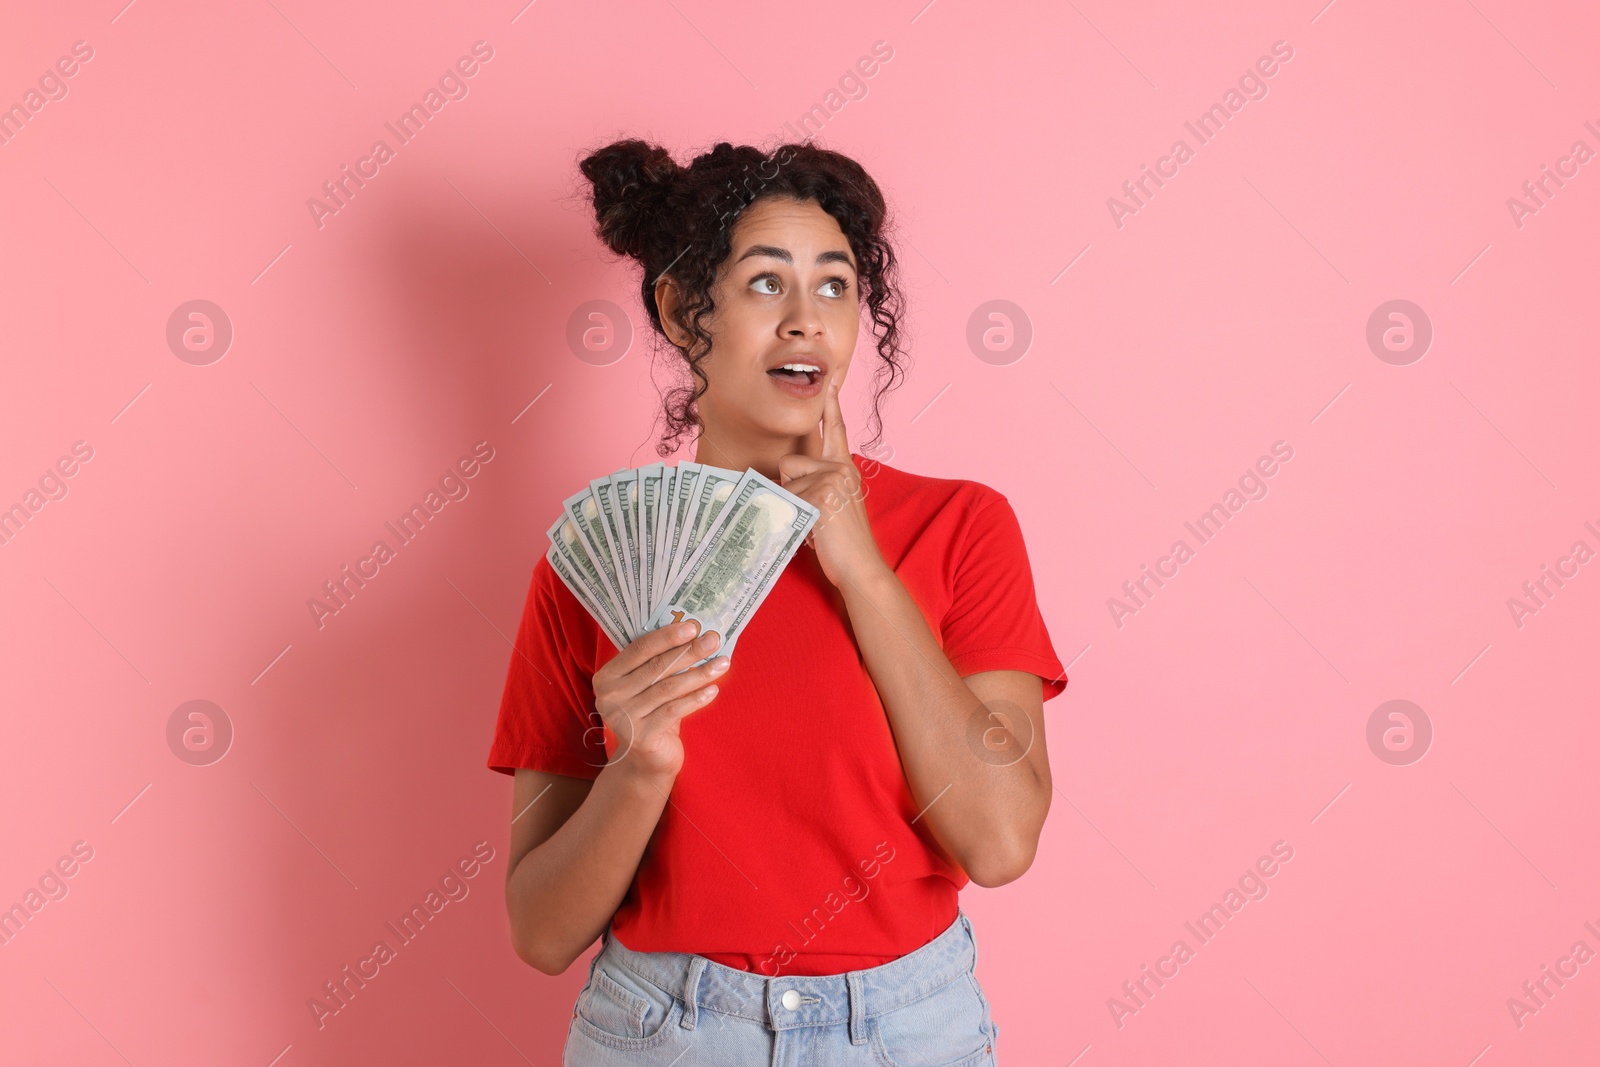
(676, 695)
(644, 691)
(648, 647)
(659, 656)
(676, 660)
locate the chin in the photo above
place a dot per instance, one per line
(790, 427)
(781, 417)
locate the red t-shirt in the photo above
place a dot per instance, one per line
(788, 846)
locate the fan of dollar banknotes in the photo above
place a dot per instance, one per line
(647, 547)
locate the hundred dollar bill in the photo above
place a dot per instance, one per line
(651, 481)
(568, 541)
(742, 556)
(685, 477)
(714, 494)
(714, 488)
(584, 511)
(571, 562)
(658, 572)
(680, 499)
(625, 492)
(610, 526)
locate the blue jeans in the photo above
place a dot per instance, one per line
(674, 1009)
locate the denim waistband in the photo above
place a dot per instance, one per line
(790, 1001)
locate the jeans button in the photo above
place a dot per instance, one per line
(791, 999)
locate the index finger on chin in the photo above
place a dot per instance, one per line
(835, 443)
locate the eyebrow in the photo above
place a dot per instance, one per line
(774, 252)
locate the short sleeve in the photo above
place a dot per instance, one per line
(547, 720)
(993, 623)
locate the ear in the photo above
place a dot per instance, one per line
(667, 304)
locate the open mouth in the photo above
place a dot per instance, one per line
(798, 373)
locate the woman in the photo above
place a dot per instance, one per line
(772, 857)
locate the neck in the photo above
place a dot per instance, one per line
(721, 449)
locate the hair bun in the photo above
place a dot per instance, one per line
(727, 156)
(632, 180)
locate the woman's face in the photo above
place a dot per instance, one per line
(785, 297)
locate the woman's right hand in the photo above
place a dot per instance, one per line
(643, 693)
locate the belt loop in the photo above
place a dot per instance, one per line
(691, 992)
(858, 1008)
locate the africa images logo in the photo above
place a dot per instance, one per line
(452, 86)
(454, 887)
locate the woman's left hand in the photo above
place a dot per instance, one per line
(831, 483)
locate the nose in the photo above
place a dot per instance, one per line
(801, 317)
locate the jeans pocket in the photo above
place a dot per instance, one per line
(947, 1028)
(622, 1010)
(988, 1012)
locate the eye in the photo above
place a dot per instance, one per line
(762, 280)
(842, 283)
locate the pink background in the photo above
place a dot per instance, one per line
(1168, 354)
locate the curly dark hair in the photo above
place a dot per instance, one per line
(678, 221)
